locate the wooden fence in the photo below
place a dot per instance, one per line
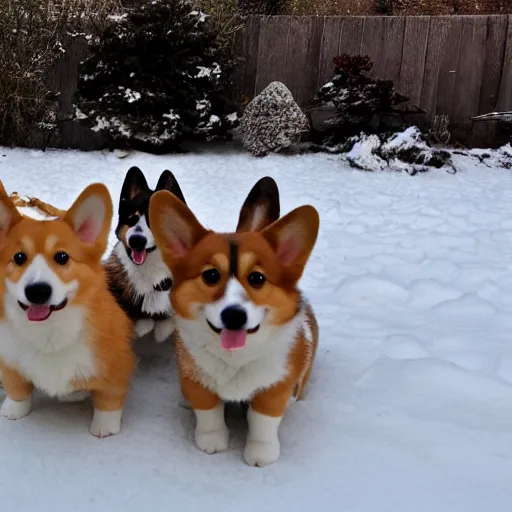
(460, 66)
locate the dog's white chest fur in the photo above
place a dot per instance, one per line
(145, 277)
(239, 375)
(50, 354)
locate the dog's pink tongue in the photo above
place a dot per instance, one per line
(139, 257)
(231, 340)
(38, 313)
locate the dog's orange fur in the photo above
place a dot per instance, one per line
(189, 249)
(109, 330)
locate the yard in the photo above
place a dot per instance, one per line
(410, 404)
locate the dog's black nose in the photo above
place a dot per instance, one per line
(137, 242)
(38, 293)
(233, 318)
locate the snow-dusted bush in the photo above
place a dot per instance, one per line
(498, 158)
(405, 151)
(360, 102)
(156, 76)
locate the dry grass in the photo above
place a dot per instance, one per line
(33, 36)
(366, 7)
(439, 7)
(333, 7)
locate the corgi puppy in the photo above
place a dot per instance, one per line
(137, 275)
(61, 330)
(244, 333)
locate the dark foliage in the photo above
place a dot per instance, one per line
(157, 76)
(268, 7)
(360, 103)
(384, 7)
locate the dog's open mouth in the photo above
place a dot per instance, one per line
(232, 340)
(139, 257)
(36, 313)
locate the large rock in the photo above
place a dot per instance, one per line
(272, 121)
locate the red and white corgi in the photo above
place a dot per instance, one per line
(60, 328)
(244, 331)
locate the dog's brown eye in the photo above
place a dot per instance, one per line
(256, 279)
(211, 276)
(61, 257)
(20, 258)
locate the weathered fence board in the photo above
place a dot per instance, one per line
(391, 46)
(460, 66)
(272, 50)
(329, 48)
(372, 42)
(250, 48)
(351, 35)
(448, 68)
(312, 62)
(299, 73)
(505, 94)
(437, 37)
(483, 133)
(413, 57)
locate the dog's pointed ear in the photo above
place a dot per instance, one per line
(168, 181)
(134, 182)
(293, 238)
(174, 226)
(90, 217)
(261, 207)
(9, 214)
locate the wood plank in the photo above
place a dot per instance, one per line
(316, 26)
(250, 53)
(493, 59)
(273, 42)
(372, 43)
(297, 58)
(392, 46)
(505, 94)
(438, 35)
(351, 35)
(483, 134)
(470, 68)
(468, 76)
(414, 56)
(448, 69)
(329, 48)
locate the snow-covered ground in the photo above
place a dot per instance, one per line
(410, 404)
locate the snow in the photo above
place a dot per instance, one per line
(410, 403)
(402, 151)
(130, 95)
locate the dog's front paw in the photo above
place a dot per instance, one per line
(163, 330)
(213, 441)
(105, 423)
(16, 409)
(261, 454)
(143, 327)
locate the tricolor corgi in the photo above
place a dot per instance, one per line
(61, 329)
(244, 331)
(137, 275)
